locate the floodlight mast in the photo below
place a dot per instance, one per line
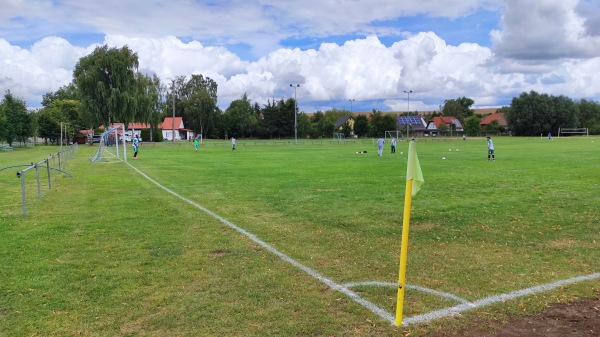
(173, 122)
(407, 111)
(295, 86)
(351, 100)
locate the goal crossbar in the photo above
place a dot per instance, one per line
(571, 131)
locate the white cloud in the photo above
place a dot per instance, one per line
(548, 46)
(542, 31)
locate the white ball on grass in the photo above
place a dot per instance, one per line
(443, 158)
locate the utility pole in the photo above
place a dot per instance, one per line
(295, 113)
(173, 92)
(408, 111)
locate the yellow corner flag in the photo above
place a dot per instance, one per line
(413, 169)
(414, 180)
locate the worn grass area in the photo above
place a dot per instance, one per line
(107, 252)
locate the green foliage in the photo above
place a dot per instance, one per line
(240, 119)
(199, 99)
(380, 123)
(589, 116)
(16, 122)
(361, 125)
(150, 94)
(473, 126)
(534, 114)
(106, 81)
(459, 108)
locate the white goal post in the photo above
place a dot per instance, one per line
(573, 131)
(112, 146)
(339, 136)
(393, 134)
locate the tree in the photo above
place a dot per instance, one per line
(239, 119)
(589, 116)
(532, 114)
(361, 125)
(18, 124)
(107, 84)
(199, 98)
(150, 97)
(473, 126)
(48, 125)
(380, 123)
(459, 108)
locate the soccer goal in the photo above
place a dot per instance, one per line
(572, 131)
(110, 147)
(339, 136)
(393, 134)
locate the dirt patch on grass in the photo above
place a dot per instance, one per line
(575, 319)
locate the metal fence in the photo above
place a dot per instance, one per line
(48, 168)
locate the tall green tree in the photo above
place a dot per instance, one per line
(199, 97)
(18, 125)
(473, 126)
(106, 80)
(459, 108)
(240, 119)
(532, 114)
(361, 125)
(380, 123)
(150, 97)
(589, 116)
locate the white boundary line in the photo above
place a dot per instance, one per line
(365, 303)
(495, 299)
(409, 286)
(466, 305)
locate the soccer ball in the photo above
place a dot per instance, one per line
(401, 152)
(443, 158)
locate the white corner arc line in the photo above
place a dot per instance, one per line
(367, 304)
(409, 286)
(333, 285)
(495, 299)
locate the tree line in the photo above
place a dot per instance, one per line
(108, 87)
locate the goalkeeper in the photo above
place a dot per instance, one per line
(136, 145)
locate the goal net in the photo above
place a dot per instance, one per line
(339, 136)
(393, 134)
(111, 147)
(572, 131)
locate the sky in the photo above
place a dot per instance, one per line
(356, 55)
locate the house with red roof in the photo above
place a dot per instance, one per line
(170, 125)
(498, 116)
(451, 122)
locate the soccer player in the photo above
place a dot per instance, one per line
(232, 144)
(490, 145)
(380, 143)
(136, 145)
(196, 144)
(393, 145)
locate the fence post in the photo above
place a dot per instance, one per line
(48, 170)
(37, 178)
(22, 176)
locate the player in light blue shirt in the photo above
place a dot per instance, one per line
(490, 145)
(380, 143)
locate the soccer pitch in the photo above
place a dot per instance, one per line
(283, 239)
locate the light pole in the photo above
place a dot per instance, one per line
(351, 100)
(172, 135)
(295, 113)
(407, 111)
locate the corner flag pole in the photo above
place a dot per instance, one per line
(413, 173)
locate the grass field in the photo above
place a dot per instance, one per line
(109, 252)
